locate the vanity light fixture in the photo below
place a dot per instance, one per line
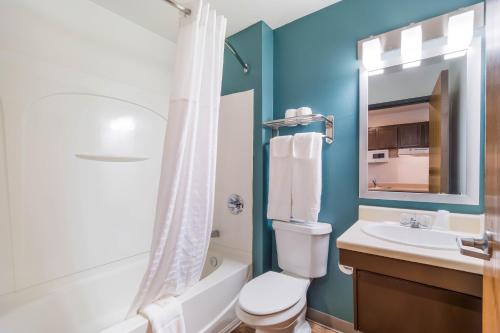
(372, 54)
(460, 33)
(411, 46)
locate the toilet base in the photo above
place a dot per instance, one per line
(300, 325)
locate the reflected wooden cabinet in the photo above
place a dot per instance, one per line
(414, 135)
(385, 137)
(372, 139)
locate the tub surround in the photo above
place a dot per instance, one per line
(256, 44)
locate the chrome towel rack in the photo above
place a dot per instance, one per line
(304, 120)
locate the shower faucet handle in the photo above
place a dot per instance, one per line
(215, 234)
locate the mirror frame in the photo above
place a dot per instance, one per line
(474, 110)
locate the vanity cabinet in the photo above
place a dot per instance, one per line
(397, 296)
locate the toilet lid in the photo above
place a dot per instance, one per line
(272, 292)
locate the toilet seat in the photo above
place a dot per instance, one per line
(278, 320)
(271, 293)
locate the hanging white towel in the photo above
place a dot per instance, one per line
(307, 177)
(279, 205)
(165, 316)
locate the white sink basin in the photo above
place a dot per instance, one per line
(426, 238)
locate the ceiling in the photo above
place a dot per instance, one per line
(159, 17)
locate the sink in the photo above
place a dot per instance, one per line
(425, 238)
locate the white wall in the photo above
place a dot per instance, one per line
(235, 173)
(405, 169)
(399, 83)
(76, 79)
(408, 114)
(458, 125)
(6, 259)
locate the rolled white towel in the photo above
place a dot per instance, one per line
(304, 111)
(280, 178)
(307, 176)
(290, 113)
(165, 316)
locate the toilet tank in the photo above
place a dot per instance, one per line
(302, 247)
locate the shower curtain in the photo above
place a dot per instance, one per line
(185, 201)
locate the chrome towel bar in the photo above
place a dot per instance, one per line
(304, 120)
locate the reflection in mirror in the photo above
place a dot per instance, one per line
(417, 127)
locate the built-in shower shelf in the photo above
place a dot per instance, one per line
(111, 158)
(304, 120)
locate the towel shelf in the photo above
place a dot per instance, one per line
(275, 125)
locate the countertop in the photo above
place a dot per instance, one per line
(356, 239)
(399, 187)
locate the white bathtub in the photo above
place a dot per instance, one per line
(209, 305)
(97, 300)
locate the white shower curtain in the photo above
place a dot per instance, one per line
(184, 209)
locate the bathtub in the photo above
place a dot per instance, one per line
(98, 300)
(208, 306)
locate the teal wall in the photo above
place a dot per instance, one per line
(255, 45)
(315, 65)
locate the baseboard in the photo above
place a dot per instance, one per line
(330, 321)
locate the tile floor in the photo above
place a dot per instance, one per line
(315, 328)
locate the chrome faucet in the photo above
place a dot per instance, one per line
(415, 221)
(374, 182)
(411, 222)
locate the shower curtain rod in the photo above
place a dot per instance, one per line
(230, 47)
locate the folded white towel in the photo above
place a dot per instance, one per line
(165, 316)
(279, 205)
(307, 177)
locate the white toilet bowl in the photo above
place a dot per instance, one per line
(276, 302)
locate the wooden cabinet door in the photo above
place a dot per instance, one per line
(372, 139)
(439, 136)
(390, 305)
(491, 291)
(425, 135)
(387, 137)
(410, 135)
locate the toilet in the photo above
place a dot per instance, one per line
(277, 302)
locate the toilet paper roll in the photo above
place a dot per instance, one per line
(346, 269)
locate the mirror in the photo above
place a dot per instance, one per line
(417, 128)
(420, 121)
